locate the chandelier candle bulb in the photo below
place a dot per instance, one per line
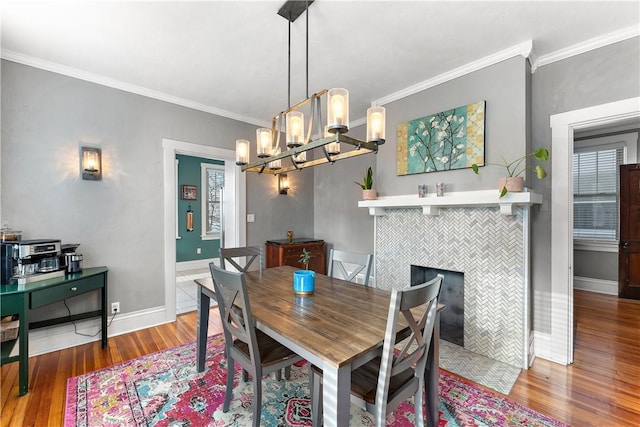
(338, 110)
(242, 152)
(275, 164)
(263, 139)
(295, 129)
(333, 148)
(376, 125)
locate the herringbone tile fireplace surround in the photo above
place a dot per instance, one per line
(491, 250)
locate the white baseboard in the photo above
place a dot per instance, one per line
(195, 264)
(601, 286)
(542, 345)
(531, 349)
(46, 340)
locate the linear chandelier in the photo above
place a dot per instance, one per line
(327, 138)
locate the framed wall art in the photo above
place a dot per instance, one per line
(452, 139)
(189, 192)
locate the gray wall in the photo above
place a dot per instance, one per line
(503, 87)
(338, 219)
(118, 221)
(276, 213)
(597, 77)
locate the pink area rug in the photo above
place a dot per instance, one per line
(164, 389)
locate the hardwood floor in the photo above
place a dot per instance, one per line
(601, 388)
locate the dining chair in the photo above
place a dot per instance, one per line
(359, 262)
(256, 352)
(398, 373)
(251, 253)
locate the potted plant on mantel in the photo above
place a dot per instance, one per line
(514, 182)
(304, 280)
(368, 193)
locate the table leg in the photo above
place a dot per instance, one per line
(203, 327)
(23, 335)
(104, 311)
(336, 395)
(432, 376)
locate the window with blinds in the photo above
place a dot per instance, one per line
(596, 192)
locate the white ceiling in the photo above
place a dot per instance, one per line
(230, 57)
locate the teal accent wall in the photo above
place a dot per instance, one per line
(186, 246)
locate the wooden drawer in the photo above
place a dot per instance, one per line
(66, 290)
(289, 254)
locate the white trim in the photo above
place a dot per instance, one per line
(236, 207)
(526, 288)
(196, 264)
(586, 46)
(542, 345)
(54, 338)
(593, 245)
(600, 286)
(523, 49)
(203, 201)
(532, 349)
(127, 87)
(176, 174)
(562, 129)
(431, 204)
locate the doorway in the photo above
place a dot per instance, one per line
(563, 126)
(235, 208)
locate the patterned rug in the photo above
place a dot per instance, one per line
(164, 389)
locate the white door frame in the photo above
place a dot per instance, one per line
(562, 129)
(235, 208)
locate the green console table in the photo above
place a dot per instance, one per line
(18, 299)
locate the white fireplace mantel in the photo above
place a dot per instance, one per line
(432, 204)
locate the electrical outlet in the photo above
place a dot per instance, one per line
(199, 250)
(115, 307)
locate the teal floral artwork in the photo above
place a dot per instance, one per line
(451, 139)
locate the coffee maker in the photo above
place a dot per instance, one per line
(26, 261)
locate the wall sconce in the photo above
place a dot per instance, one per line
(91, 163)
(283, 183)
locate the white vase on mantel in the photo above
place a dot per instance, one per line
(369, 194)
(514, 184)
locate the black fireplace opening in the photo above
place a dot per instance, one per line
(451, 295)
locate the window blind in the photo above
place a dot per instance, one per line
(596, 193)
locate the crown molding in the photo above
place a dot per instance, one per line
(127, 87)
(586, 46)
(523, 49)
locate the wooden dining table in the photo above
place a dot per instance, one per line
(337, 328)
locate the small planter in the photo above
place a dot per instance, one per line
(369, 194)
(514, 184)
(304, 282)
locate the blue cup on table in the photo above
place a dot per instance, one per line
(304, 282)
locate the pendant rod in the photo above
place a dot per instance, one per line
(307, 16)
(289, 64)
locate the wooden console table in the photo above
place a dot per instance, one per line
(283, 252)
(18, 299)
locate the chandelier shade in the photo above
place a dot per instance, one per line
(328, 137)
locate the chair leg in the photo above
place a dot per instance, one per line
(287, 372)
(229, 391)
(316, 398)
(279, 375)
(257, 398)
(245, 376)
(418, 405)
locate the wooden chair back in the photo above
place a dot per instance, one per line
(229, 255)
(357, 262)
(231, 294)
(412, 352)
